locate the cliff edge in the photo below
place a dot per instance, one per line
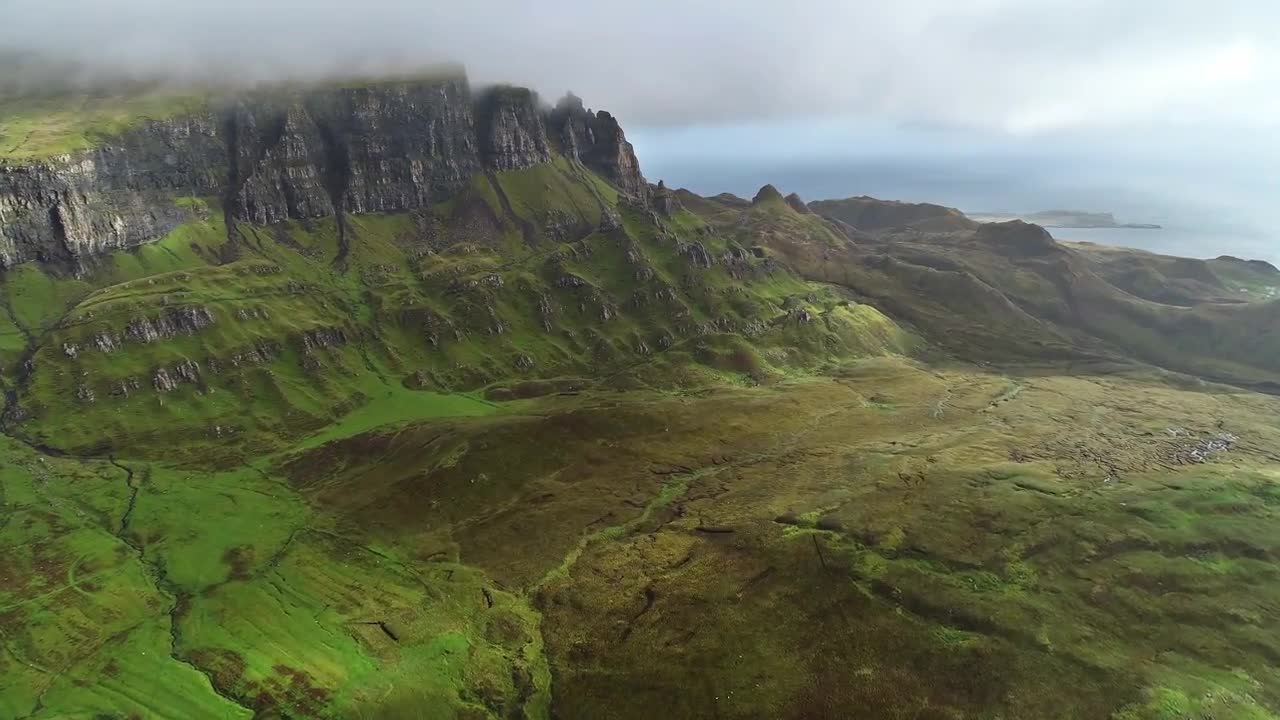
(273, 155)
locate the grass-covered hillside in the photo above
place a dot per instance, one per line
(544, 449)
(1007, 292)
(41, 127)
(537, 273)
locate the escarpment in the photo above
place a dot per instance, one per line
(597, 140)
(270, 156)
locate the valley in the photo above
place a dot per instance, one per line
(398, 401)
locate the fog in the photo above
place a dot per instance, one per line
(1161, 107)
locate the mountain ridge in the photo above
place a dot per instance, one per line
(425, 402)
(301, 155)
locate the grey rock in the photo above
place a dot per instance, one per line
(663, 200)
(798, 204)
(126, 387)
(510, 129)
(169, 324)
(106, 342)
(324, 151)
(166, 380)
(188, 370)
(597, 140)
(696, 253)
(163, 381)
(322, 338)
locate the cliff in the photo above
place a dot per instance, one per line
(596, 139)
(303, 153)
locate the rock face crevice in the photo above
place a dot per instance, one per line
(299, 154)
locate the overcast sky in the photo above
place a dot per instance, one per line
(1163, 99)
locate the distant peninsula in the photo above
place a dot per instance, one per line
(1065, 219)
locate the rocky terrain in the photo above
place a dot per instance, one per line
(403, 399)
(271, 156)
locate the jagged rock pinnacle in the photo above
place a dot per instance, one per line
(798, 205)
(767, 193)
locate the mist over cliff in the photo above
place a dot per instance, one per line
(1157, 104)
(270, 156)
(1018, 66)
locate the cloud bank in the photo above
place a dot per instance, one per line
(1019, 66)
(1159, 110)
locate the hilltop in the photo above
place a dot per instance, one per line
(403, 398)
(872, 215)
(1067, 219)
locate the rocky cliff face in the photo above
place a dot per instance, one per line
(597, 140)
(117, 195)
(305, 154)
(510, 129)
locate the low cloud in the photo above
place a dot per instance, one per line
(1155, 109)
(1019, 66)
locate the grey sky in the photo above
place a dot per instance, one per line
(1019, 65)
(1159, 99)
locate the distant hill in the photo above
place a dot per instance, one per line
(1066, 219)
(869, 214)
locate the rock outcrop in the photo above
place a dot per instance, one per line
(663, 200)
(170, 324)
(117, 195)
(597, 140)
(270, 156)
(510, 129)
(767, 195)
(797, 204)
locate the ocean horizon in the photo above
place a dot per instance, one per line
(1180, 241)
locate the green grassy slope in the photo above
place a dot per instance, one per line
(1181, 281)
(872, 215)
(161, 593)
(895, 538)
(87, 626)
(36, 128)
(194, 372)
(1009, 293)
(542, 452)
(529, 274)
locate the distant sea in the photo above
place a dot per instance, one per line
(1182, 242)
